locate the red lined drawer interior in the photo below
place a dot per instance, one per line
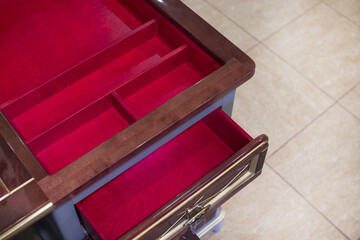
(75, 73)
(148, 185)
(40, 39)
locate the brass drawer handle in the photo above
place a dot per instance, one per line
(179, 224)
(198, 210)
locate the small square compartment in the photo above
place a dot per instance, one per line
(184, 67)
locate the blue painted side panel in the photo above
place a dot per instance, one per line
(228, 103)
(68, 222)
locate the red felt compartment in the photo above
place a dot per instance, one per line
(79, 134)
(57, 65)
(83, 92)
(122, 45)
(134, 195)
(41, 39)
(150, 96)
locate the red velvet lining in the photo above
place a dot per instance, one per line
(164, 88)
(78, 135)
(75, 73)
(141, 190)
(40, 39)
(60, 105)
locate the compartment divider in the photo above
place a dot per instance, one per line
(109, 117)
(51, 87)
(31, 134)
(167, 63)
(67, 126)
(125, 106)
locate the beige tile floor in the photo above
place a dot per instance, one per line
(305, 96)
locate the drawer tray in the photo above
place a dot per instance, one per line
(191, 158)
(119, 51)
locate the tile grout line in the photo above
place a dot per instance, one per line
(348, 91)
(302, 129)
(251, 48)
(335, 101)
(291, 21)
(341, 14)
(261, 42)
(317, 86)
(345, 108)
(304, 76)
(293, 187)
(231, 20)
(356, 85)
(348, 111)
(308, 201)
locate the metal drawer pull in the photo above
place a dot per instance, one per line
(191, 215)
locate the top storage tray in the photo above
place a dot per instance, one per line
(70, 82)
(88, 87)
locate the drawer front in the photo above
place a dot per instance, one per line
(220, 188)
(171, 190)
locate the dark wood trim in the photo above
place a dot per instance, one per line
(3, 190)
(144, 132)
(12, 172)
(20, 205)
(21, 150)
(198, 30)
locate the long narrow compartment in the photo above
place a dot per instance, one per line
(168, 80)
(134, 195)
(88, 89)
(135, 57)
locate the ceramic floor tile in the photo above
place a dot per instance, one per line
(227, 28)
(269, 209)
(349, 8)
(262, 18)
(277, 100)
(324, 46)
(352, 101)
(323, 164)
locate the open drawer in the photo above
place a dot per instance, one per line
(146, 62)
(175, 186)
(90, 86)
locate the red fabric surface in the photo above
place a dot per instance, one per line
(48, 113)
(141, 190)
(75, 144)
(231, 133)
(41, 39)
(162, 89)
